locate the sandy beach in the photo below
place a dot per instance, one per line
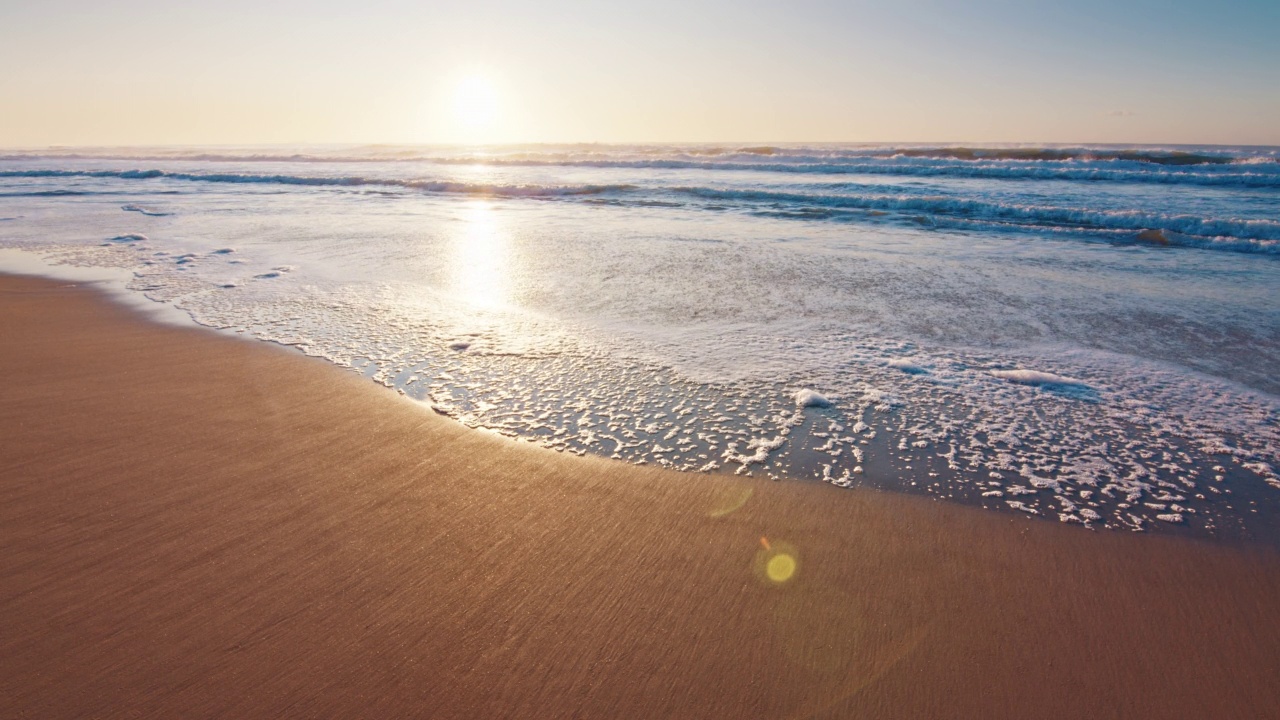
(198, 526)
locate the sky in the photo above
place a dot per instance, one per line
(144, 72)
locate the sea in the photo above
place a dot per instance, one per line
(1083, 334)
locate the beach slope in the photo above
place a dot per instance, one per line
(197, 526)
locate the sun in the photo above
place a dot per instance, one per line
(475, 105)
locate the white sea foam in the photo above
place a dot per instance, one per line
(1035, 377)
(907, 366)
(811, 398)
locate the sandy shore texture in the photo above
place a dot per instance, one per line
(197, 526)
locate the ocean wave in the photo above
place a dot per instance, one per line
(47, 193)
(1113, 171)
(433, 186)
(1242, 167)
(845, 201)
(1236, 174)
(1224, 233)
(1156, 156)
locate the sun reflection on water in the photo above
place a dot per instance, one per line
(481, 259)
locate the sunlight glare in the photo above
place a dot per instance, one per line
(475, 104)
(481, 266)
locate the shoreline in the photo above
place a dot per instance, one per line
(986, 458)
(201, 525)
(113, 283)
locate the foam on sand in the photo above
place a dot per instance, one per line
(811, 398)
(1035, 377)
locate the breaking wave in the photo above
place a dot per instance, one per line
(1192, 230)
(843, 202)
(433, 186)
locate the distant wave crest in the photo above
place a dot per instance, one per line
(1244, 167)
(434, 186)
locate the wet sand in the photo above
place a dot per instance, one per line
(193, 525)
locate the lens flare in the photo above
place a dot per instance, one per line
(730, 500)
(776, 562)
(780, 567)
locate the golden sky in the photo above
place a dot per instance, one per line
(388, 71)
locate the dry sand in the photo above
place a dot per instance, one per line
(196, 526)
